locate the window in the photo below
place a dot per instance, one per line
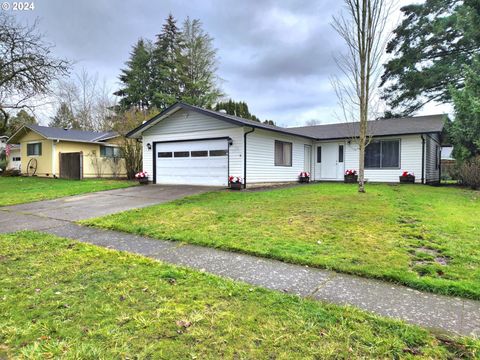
(16, 158)
(319, 154)
(181, 154)
(34, 149)
(283, 153)
(201, 153)
(340, 153)
(437, 157)
(165, 154)
(383, 154)
(110, 151)
(218, 152)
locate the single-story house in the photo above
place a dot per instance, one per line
(68, 153)
(186, 144)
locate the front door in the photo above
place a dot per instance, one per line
(307, 159)
(332, 162)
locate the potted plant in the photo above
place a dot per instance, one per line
(407, 177)
(304, 177)
(350, 177)
(142, 177)
(235, 182)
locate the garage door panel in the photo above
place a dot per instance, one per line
(192, 170)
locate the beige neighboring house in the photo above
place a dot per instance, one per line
(67, 153)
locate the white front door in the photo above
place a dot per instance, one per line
(332, 162)
(307, 158)
(203, 162)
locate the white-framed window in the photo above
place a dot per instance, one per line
(34, 149)
(110, 151)
(283, 153)
(383, 154)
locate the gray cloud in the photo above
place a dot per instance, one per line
(276, 55)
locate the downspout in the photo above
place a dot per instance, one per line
(245, 157)
(423, 159)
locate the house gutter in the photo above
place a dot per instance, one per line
(245, 156)
(423, 158)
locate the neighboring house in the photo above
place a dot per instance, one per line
(189, 145)
(3, 142)
(14, 157)
(68, 153)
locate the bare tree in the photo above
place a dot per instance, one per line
(312, 122)
(362, 26)
(27, 66)
(90, 103)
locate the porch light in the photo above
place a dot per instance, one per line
(149, 146)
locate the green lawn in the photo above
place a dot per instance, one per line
(18, 190)
(64, 299)
(421, 236)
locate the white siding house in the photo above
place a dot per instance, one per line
(190, 145)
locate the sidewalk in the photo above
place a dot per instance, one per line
(440, 313)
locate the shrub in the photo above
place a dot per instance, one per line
(11, 172)
(469, 173)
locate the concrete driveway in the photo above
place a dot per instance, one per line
(46, 214)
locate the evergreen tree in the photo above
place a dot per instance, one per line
(430, 48)
(239, 109)
(464, 131)
(64, 118)
(198, 66)
(137, 90)
(165, 61)
(16, 122)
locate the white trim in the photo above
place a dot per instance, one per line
(54, 167)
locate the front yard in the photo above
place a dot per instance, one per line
(65, 299)
(18, 190)
(424, 237)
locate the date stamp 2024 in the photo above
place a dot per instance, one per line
(18, 6)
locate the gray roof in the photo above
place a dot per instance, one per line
(382, 127)
(71, 134)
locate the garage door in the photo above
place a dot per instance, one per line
(202, 162)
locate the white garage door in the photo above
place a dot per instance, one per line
(202, 162)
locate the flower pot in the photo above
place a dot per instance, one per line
(143, 181)
(236, 186)
(350, 179)
(407, 179)
(304, 179)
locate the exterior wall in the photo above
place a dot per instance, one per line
(261, 157)
(410, 160)
(189, 125)
(44, 161)
(94, 165)
(432, 170)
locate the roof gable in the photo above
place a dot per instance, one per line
(215, 114)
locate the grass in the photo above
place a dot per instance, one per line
(424, 237)
(65, 299)
(19, 190)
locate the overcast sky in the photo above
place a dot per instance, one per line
(275, 55)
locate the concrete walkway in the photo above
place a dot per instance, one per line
(441, 313)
